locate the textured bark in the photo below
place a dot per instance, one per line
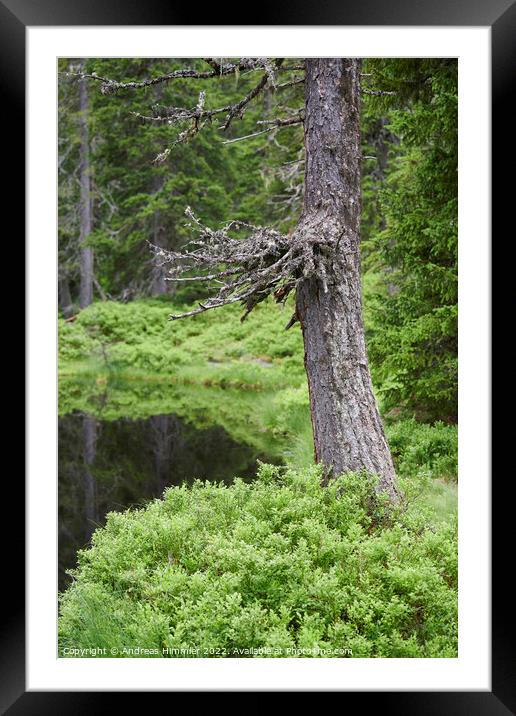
(347, 428)
(86, 252)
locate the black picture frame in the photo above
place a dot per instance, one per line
(500, 15)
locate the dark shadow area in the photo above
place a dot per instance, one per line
(117, 464)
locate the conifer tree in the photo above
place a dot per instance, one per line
(319, 260)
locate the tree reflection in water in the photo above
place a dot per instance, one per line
(116, 464)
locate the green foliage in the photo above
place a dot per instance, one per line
(214, 348)
(282, 563)
(136, 363)
(412, 335)
(409, 209)
(424, 450)
(135, 200)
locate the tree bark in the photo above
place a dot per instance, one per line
(86, 252)
(347, 428)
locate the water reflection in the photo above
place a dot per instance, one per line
(107, 465)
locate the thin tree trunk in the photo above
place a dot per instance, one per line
(347, 428)
(86, 252)
(159, 283)
(64, 296)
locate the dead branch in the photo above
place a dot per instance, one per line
(377, 93)
(111, 86)
(238, 109)
(199, 116)
(272, 125)
(251, 268)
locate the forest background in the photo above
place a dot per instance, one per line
(120, 357)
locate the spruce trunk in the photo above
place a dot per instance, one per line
(86, 252)
(347, 428)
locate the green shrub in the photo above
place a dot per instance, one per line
(74, 343)
(138, 336)
(281, 563)
(420, 449)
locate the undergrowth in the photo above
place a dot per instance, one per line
(279, 567)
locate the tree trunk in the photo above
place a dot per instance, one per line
(86, 252)
(64, 296)
(347, 428)
(159, 285)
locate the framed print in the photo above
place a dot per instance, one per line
(139, 542)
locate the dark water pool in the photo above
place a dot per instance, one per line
(111, 465)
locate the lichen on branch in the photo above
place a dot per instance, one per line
(251, 267)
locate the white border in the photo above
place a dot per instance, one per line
(471, 671)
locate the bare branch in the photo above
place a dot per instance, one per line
(299, 118)
(248, 269)
(199, 115)
(291, 83)
(111, 86)
(172, 115)
(293, 319)
(247, 136)
(239, 108)
(273, 124)
(212, 62)
(377, 93)
(268, 78)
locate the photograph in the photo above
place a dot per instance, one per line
(258, 356)
(259, 323)
(257, 281)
